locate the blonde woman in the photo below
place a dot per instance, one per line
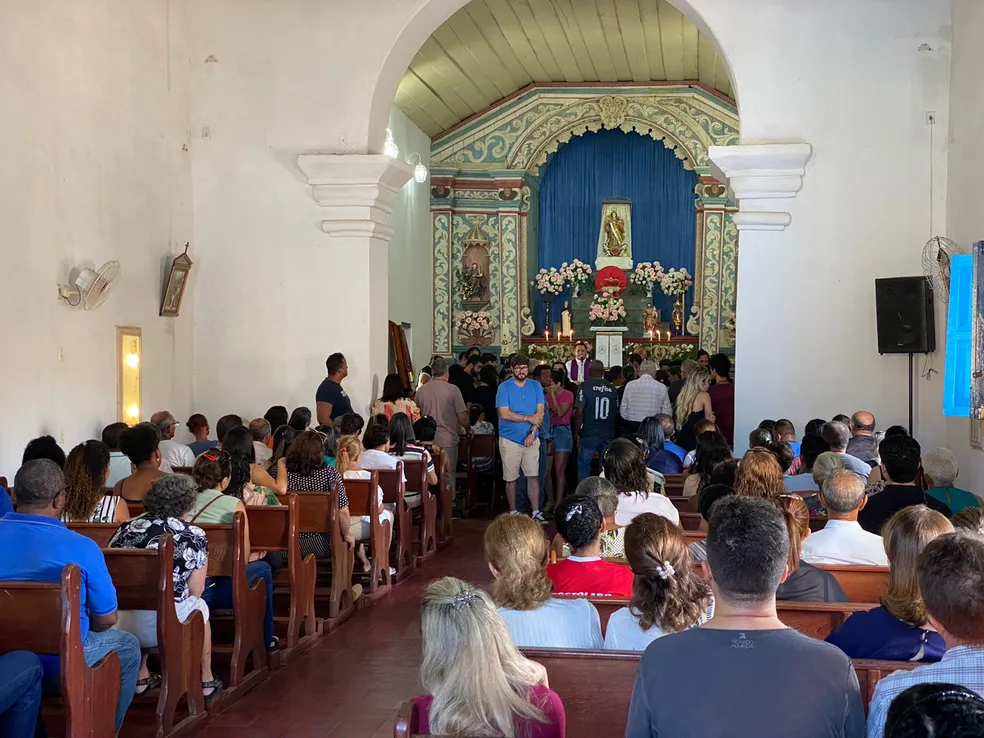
(667, 594)
(516, 551)
(477, 681)
(349, 449)
(898, 630)
(693, 405)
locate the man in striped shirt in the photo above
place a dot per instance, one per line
(644, 397)
(951, 581)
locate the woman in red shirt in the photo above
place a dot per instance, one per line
(475, 678)
(580, 523)
(561, 403)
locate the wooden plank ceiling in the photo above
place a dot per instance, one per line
(491, 48)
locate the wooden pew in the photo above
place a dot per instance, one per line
(278, 528)
(318, 513)
(364, 500)
(394, 492)
(44, 617)
(227, 558)
(144, 581)
(416, 474)
(479, 447)
(101, 533)
(445, 502)
(691, 521)
(596, 686)
(860, 583)
(815, 619)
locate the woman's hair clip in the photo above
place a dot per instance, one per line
(665, 570)
(463, 599)
(575, 510)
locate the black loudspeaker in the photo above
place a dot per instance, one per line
(904, 312)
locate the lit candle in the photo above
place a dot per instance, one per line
(659, 335)
(572, 335)
(546, 335)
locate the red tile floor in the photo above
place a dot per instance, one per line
(351, 683)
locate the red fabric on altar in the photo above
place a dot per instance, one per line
(611, 278)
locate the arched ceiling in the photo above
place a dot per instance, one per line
(491, 48)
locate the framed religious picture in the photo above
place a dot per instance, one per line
(174, 288)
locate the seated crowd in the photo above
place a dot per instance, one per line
(133, 468)
(705, 597)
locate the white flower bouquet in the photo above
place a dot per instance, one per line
(609, 310)
(576, 274)
(674, 283)
(646, 274)
(549, 282)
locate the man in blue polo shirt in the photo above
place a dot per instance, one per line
(519, 402)
(35, 546)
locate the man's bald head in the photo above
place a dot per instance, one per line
(862, 423)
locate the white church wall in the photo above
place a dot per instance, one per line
(94, 99)
(410, 253)
(965, 223)
(853, 79)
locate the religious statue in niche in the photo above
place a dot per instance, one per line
(566, 320)
(614, 235)
(472, 277)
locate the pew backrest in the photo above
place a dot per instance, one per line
(363, 495)
(101, 533)
(860, 583)
(416, 474)
(391, 480)
(227, 549)
(44, 617)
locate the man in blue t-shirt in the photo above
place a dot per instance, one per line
(519, 403)
(35, 546)
(332, 402)
(595, 411)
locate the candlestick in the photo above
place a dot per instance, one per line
(659, 335)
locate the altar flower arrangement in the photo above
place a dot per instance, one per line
(576, 274)
(674, 282)
(475, 328)
(646, 274)
(609, 310)
(549, 282)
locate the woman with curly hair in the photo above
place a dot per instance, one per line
(477, 682)
(899, 630)
(580, 523)
(166, 506)
(759, 475)
(517, 552)
(625, 466)
(667, 594)
(86, 472)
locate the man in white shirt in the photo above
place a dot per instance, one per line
(843, 540)
(262, 433)
(951, 582)
(172, 453)
(577, 368)
(644, 397)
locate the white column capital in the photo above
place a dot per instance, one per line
(357, 191)
(758, 174)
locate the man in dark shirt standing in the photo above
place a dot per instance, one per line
(332, 402)
(900, 458)
(722, 394)
(595, 412)
(745, 656)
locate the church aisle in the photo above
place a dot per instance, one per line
(350, 685)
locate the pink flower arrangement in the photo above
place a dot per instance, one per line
(646, 274)
(607, 310)
(474, 322)
(674, 282)
(549, 282)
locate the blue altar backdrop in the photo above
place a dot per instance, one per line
(602, 165)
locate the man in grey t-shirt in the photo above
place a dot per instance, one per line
(744, 673)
